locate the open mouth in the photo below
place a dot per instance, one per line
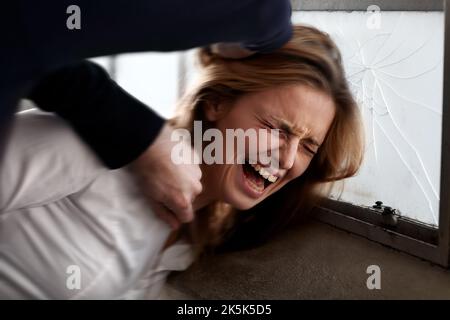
(257, 177)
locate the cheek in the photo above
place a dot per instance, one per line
(301, 164)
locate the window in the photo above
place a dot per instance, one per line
(150, 77)
(396, 70)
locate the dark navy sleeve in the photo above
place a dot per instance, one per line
(117, 126)
(111, 27)
(277, 29)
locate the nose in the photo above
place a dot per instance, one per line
(288, 153)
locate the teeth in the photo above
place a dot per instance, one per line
(264, 173)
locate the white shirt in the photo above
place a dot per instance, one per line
(70, 228)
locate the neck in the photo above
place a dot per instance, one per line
(201, 201)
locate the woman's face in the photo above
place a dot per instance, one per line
(303, 116)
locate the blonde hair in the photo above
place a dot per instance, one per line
(310, 58)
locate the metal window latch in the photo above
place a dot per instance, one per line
(389, 214)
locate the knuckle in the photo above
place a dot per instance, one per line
(181, 201)
(198, 188)
(198, 172)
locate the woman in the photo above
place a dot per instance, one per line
(80, 231)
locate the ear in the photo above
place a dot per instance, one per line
(214, 111)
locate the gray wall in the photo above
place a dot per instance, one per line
(362, 5)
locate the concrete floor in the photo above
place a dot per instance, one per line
(313, 261)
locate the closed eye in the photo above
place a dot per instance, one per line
(268, 124)
(308, 149)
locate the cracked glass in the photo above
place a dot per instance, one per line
(394, 64)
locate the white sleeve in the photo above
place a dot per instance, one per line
(44, 161)
(177, 257)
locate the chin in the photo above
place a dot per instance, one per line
(240, 205)
(240, 201)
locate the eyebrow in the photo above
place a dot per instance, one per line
(286, 126)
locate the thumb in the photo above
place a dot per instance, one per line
(180, 205)
(166, 215)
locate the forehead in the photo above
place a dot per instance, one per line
(301, 106)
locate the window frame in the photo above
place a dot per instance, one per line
(406, 235)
